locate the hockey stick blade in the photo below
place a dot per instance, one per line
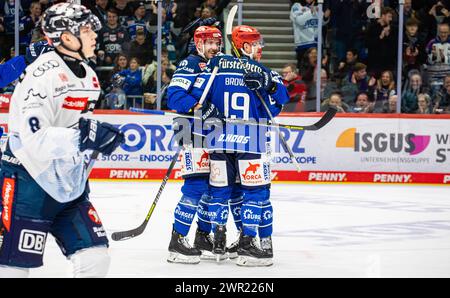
(230, 19)
(330, 113)
(125, 235)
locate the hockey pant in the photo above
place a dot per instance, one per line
(254, 173)
(29, 214)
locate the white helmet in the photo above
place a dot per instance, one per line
(67, 17)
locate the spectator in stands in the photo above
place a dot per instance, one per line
(116, 98)
(168, 36)
(207, 13)
(184, 13)
(133, 83)
(382, 42)
(100, 10)
(424, 104)
(349, 18)
(7, 25)
(112, 38)
(438, 50)
(440, 12)
(171, 8)
(142, 48)
(217, 6)
(167, 71)
(120, 63)
(28, 23)
(305, 22)
(356, 82)
(363, 104)
(150, 101)
(442, 99)
(335, 100)
(296, 87)
(309, 64)
(413, 86)
(389, 106)
(124, 10)
(149, 69)
(384, 88)
(345, 67)
(414, 54)
(327, 88)
(138, 22)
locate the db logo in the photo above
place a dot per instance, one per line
(92, 213)
(32, 242)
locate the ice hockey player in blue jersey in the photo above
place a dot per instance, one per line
(43, 172)
(194, 160)
(233, 92)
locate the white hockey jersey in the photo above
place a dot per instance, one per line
(43, 121)
(305, 24)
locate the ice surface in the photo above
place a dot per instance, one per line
(320, 230)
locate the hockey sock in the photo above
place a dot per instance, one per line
(265, 226)
(219, 211)
(184, 214)
(235, 206)
(204, 214)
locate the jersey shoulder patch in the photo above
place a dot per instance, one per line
(44, 64)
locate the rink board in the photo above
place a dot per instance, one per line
(351, 148)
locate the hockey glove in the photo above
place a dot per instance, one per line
(207, 22)
(99, 136)
(208, 111)
(259, 80)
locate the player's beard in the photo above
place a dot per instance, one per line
(258, 54)
(211, 54)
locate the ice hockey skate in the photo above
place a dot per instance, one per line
(232, 249)
(180, 251)
(220, 243)
(250, 255)
(204, 242)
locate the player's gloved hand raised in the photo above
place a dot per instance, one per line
(259, 80)
(99, 136)
(207, 22)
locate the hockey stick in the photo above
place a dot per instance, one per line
(329, 114)
(125, 235)
(90, 165)
(229, 30)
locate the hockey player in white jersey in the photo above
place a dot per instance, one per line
(43, 173)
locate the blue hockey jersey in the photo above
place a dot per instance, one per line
(234, 100)
(182, 83)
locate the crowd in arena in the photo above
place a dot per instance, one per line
(359, 65)
(359, 62)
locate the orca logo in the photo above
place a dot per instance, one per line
(32, 241)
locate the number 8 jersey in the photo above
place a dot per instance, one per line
(43, 123)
